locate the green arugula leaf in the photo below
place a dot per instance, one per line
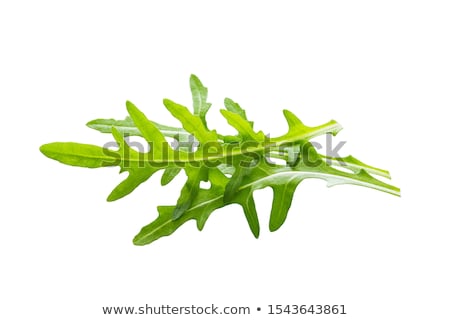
(234, 107)
(128, 128)
(190, 189)
(191, 123)
(203, 205)
(199, 97)
(168, 175)
(244, 127)
(234, 165)
(79, 155)
(138, 171)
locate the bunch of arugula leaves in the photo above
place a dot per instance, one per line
(235, 166)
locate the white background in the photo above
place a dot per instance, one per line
(381, 68)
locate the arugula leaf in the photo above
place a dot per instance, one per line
(128, 128)
(234, 165)
(191, 123)
(203, 205)
(79, 155)
(234, 107)
(168, 175)
(244, 127)
(199, 97)
(190, 189)
(138, 171)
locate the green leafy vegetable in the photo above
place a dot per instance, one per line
(235, 166)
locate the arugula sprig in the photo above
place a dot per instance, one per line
(234, 165)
